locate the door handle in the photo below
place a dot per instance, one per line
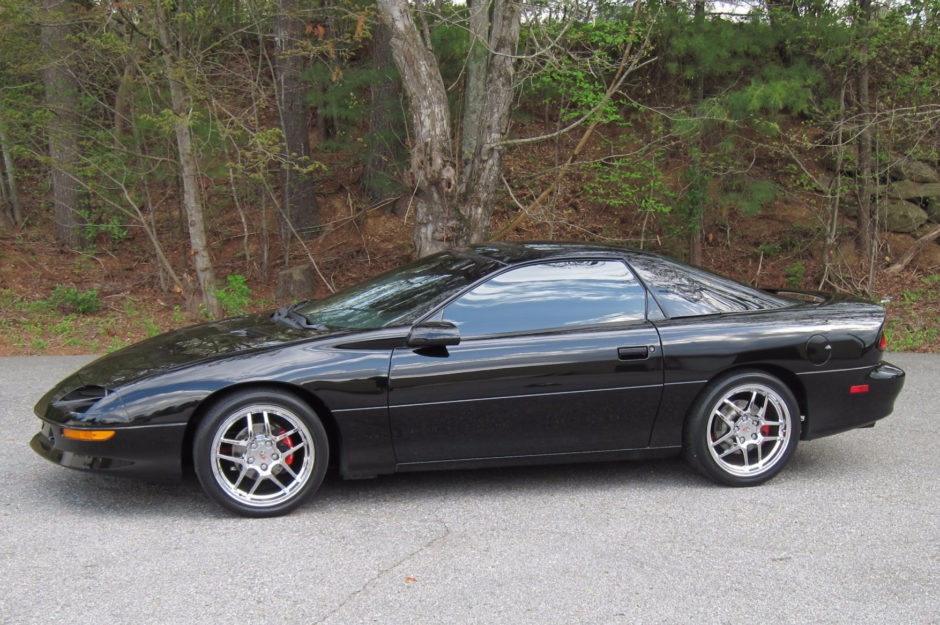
(633, 353)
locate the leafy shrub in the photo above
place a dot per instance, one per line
(71, 300)
(795, 274)
(767, 248)
(235, 297)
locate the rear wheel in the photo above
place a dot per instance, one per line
(260, 453)
(743, 430)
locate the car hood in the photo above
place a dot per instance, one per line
(178, 349)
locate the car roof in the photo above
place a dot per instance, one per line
(512, 253)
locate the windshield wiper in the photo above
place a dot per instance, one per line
(291, 317)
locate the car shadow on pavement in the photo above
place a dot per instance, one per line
(90, 493)
(501, 482)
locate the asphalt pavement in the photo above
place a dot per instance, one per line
(848, 533)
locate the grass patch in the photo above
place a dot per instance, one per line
(65, 324)
(914, 318)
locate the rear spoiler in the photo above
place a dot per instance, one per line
(812, 297)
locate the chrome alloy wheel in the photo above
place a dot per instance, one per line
(748, 430)
(262, 455)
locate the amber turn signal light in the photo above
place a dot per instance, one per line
(87, 435)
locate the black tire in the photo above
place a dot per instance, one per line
(743, 429)
(260, 453)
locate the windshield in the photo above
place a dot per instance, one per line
(399, 296)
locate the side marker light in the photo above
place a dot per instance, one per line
(87, 435)
(861, 388)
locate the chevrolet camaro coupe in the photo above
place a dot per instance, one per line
(494, 355)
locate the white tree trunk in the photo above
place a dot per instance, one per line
(11, 193)
(192, 200)
(62, 130)
(432, 176)
(299, 201)
(490, 122)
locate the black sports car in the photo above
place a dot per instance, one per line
(493, 355)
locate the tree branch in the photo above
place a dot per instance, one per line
(915, 249)
(622, 72)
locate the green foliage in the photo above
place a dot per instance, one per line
(775, 89)
(235, 296)
(111, 226)
(692, 202)
(767, 248)
(801, 237)
(747, 195)
(795, 273)
(71, 300)
(451, 41)
(632, 181)
(340, 94)
(116, 344)
(151, 327)
(781, 55)
(577, 81)
(20, 86)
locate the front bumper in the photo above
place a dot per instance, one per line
(152, 451)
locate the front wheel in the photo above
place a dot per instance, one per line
(743, 430)
(260, 453)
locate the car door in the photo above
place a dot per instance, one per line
(554, 358)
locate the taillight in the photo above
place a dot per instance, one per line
(883, 341)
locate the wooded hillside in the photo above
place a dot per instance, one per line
(166, 162)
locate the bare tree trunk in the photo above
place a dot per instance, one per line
(124, 94)
(62, 130)
(834, 195)
(474, 88)
(865, 234)
(431, 176)
(11, 193)
(378, 177)
(299, 200)
(487, 120)
(192, 200)
(697, 227)
(6, 211)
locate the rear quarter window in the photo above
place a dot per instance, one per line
(686, 291)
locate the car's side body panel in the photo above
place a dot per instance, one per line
(517, 396)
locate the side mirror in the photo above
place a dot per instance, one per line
(434, 334)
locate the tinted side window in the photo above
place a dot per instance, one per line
(550, 295)
(686, 291)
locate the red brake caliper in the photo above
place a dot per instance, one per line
(290, 445)
(765, 430)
